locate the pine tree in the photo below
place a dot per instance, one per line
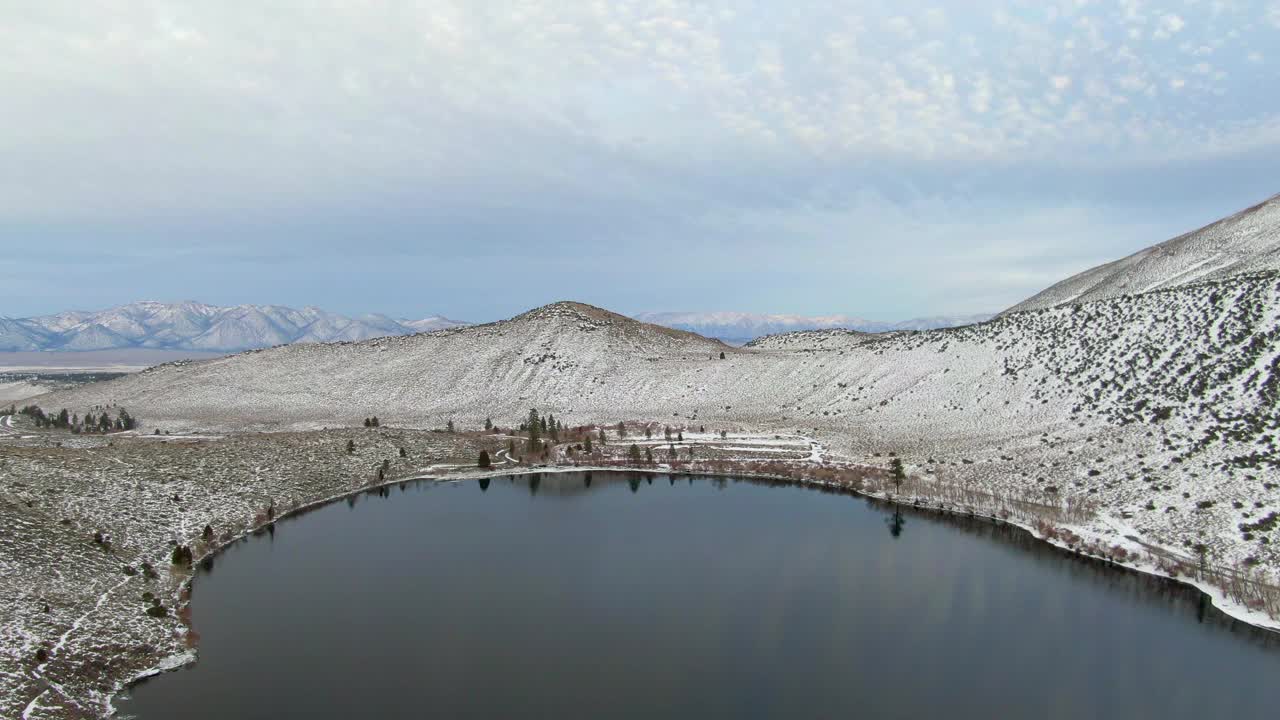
(403, 454)
(534, 425)
(587, 445)
(449, 426)
(602, 438)
(648, 455)
(484, 459)
(351, 446)
(897, 473)
(366, 422)
(634, 452)
(648, 432)
(722, 355)
(680, 436)
(622, 429)
(666, 432)
(488, 424)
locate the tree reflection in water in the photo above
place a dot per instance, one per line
(896, 522)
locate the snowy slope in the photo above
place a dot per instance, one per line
(195, 326)
(1160, 400)
(22, 335)
(1161, 407)
(746, 326)
(1248, 241)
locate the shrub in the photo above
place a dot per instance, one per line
(181, 555)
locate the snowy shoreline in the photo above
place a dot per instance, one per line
(1215, 595)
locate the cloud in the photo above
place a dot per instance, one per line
(480, 122)
(1168, 26)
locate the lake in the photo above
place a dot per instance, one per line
(625, 595)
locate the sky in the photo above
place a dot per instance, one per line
(474, 158)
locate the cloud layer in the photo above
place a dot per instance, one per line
(572, 137)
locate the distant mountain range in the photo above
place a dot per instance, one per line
(196, 326)
(741, 327)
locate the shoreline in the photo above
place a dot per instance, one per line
(1217, 599)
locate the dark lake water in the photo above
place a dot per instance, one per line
(658, 597)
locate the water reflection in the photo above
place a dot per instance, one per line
(896, 522)
(736, 599)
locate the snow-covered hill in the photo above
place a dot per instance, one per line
(1161, 409)
(196, 326)
(742, 327)
(1248, 241)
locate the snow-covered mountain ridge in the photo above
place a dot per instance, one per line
(196, 326)
(1160, 408)
(1162, 400)
(1246, 242)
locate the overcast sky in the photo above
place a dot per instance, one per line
(475, 158)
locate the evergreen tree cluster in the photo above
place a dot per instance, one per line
(540, 427)
(90, 423)
(371, 422)
(181, 555)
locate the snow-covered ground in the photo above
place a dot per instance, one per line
(11, 392)
(1166, 399)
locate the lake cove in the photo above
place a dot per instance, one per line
(634, 595)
